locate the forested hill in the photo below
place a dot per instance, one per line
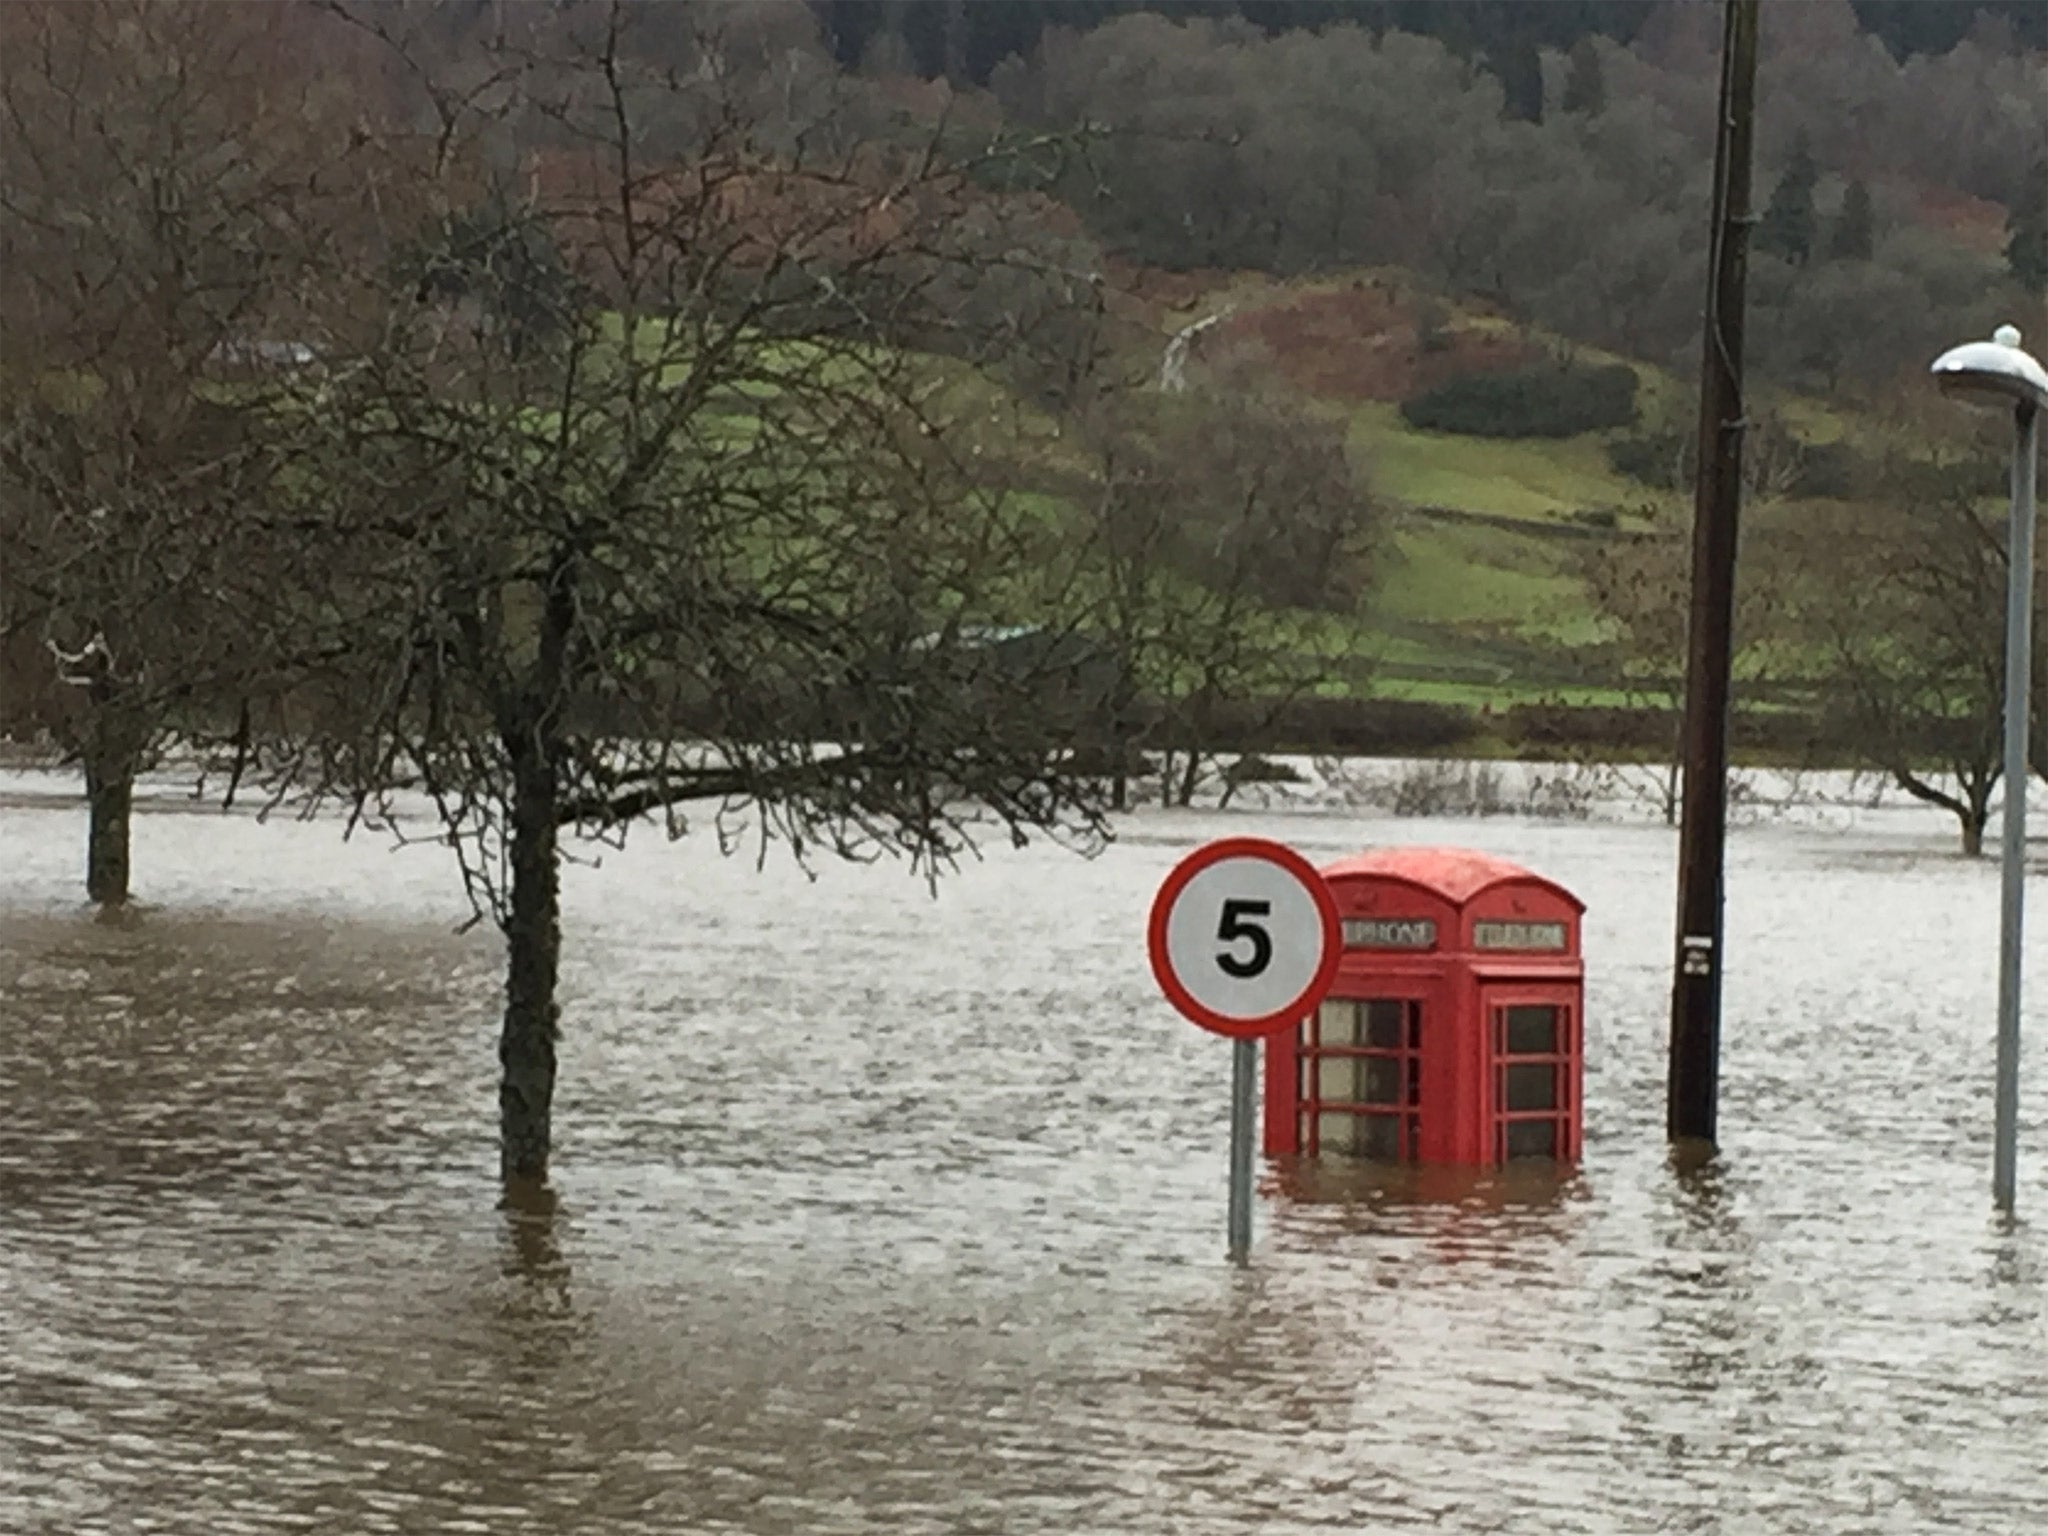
(1901, 203)
(1545, 160)
(965, 40)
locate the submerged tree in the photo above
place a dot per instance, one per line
(162, 168)
(130, 555)
(1902, 609)
(1639, 585)
(702, 534)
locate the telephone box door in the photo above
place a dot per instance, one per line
(1369, 1066)
(1533, 1070)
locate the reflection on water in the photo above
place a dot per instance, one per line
(876, 1213)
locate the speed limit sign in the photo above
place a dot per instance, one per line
(1244, 937)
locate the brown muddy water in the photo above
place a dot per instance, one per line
(892, 1214)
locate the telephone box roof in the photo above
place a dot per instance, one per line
(1458, 874)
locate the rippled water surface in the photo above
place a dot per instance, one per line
(885, 1213)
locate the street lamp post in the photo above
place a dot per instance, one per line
(1999, 372)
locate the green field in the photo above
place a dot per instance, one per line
(1537, 478)
(1478, 602)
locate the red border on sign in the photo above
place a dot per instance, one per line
(1162, 908)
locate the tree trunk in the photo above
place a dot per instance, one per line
(110, 796)
(1122, 728)
(1971, 808)
(1979, 816)
(533, 946)
(1973, 837)
(1973, 812)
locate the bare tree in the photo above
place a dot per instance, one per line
(1902, 607)
(158, 168)
(639, 506)
(1638, 585)
(1233, 540)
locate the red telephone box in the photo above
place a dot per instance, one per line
(1455, 1030)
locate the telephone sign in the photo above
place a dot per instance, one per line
(1244, 937)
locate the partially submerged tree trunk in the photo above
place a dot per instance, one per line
(111, 750)
(533, 945)
(1970, 805)
(110, 797)
(1190, 777)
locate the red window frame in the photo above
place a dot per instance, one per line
(1404, 1110)
(1561, 1112)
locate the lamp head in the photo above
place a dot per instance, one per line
(1993, 372)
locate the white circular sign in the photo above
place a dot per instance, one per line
(1244, 937)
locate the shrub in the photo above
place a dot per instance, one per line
(1550, 730)
(1550, 400)
(1432, 328)
(1254, 769)
(1364, 727)
(1833, 470)
(1568, 795)
(1444, 789)
(1775, 462)
(1657, 456)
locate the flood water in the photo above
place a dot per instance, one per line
(885, 1213)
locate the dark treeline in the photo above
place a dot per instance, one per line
(965, 42)
(1548, 160)
(1894, 188)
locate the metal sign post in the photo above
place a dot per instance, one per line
(1244, 941)
(1244, 1070)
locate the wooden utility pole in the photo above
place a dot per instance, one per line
(1693, 1094)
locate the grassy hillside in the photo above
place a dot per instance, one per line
(1481, 600)
(1541, 479)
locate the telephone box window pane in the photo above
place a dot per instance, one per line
(1530, 1138)
(1531, 1085)
(1337, 1079)
(1337, 1023)
(1386, 1024)
(1337, 1133)
(1532, 1030)
(1379, 1136)
(1382, 1080)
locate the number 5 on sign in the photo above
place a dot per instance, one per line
(1244, 937)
